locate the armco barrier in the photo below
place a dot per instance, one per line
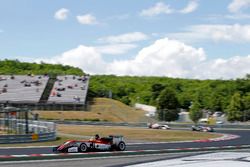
(38, 131)
(27, 138)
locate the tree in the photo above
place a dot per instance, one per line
(217, 101)
(195, 112)
(168, 115)
(247, 76)
(125, 100)
(167, 99)
(156, 90)
(234, 109)
(246, 107)
(167, 105)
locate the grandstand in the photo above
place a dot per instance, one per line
(69, 89)
(43, 92)
(22, 88)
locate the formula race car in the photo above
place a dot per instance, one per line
(110, 143)
(158, 126)
(202, 128)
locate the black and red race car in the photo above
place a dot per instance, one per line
(110, 143)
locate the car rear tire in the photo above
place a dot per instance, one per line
(121, 146)
(83, 147)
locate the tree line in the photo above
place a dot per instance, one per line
(15, 67)
(170, 95)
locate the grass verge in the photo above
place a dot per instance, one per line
(129, 133)
(134, 133)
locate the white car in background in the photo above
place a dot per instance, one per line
(158, 126)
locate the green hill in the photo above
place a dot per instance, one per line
(102, 109)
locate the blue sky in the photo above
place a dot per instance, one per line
(175, 38)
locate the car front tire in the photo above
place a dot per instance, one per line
(83, 147)
(55, 149)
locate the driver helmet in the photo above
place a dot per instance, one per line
(97, 136)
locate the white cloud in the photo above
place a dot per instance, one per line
(125, 38)
(87, 19)
(158, 8)
(238, 5)
(61, 14)
(164, 57)
(231, 33)
(235, 67)
(115, 49)
(162, 8)
(175, 59)
(85, 57)
(191, 7)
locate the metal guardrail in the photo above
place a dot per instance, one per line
(41, 126)
(38, 131)
(18, 126)
(6, 139)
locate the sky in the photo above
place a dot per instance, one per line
(200, 39)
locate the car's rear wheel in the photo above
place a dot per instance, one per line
(121, 146)
(83, 147)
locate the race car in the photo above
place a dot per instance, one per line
(158, 126)
(110, 143)
(202, 128)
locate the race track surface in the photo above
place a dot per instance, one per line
(242, 140)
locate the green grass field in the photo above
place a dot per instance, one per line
(134, 133)
(129, 133)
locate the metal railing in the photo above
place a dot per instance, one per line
(37, 131)
(49, 106)
(6, 139)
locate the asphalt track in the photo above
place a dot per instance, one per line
(244, 139)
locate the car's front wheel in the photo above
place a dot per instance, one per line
(83, 147)
(55, 149)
